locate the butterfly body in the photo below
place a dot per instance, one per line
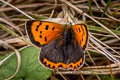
(62, 46)
(68, 36)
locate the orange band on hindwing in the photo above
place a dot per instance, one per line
(53, 65)
(75, 65)
(59, 64)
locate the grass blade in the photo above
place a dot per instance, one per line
(106, 7)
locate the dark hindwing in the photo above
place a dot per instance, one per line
(57, 55)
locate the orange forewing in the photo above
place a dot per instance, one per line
(43, 32)
(81, 34)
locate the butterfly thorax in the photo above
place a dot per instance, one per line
(68, 36)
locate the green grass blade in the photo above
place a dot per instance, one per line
(106, 7)
(8, 30)
(99, 29)
(90, 7)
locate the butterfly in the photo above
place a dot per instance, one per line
(62, 45)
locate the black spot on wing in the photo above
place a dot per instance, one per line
(48, 65)
(82, 35)
(53, 67)
(82, 38)
(47, 26)
(38, 26)
(40, 31)
(45, 38)
(53, 28)
(40, 36)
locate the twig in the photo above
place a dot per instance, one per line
(17, 9)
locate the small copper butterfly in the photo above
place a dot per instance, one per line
(62, 46)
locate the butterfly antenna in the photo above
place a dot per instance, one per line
(80, 14)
